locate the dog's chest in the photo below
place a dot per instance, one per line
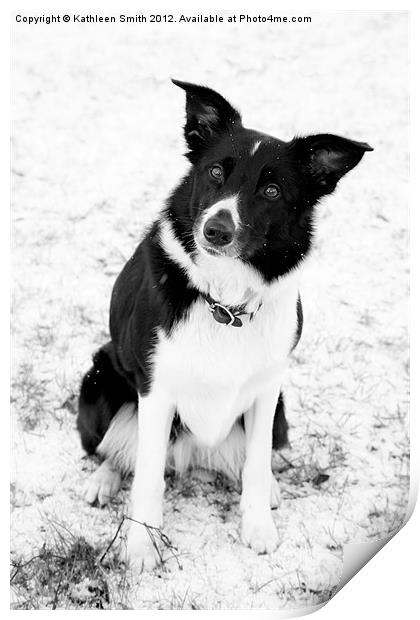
(214, 372)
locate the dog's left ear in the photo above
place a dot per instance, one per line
(325, 158)
(208, 114)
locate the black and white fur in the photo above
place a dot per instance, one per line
(175, 388)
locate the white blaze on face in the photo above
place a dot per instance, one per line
(227, 204)
(255, 147)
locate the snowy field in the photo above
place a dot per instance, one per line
(97, 146)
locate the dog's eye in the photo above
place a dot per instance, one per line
(216, 172)
(272, 191)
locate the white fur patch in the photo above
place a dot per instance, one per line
(227, 458)
(120, 440)
(226, 279)
(173, 247)
(227, 204)
(255, 147)
(103, 484)
(213, 372)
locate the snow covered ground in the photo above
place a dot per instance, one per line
(97, 146)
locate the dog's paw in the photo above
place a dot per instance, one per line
(275, 493)
(102, 485)
(141, 553)
(259, 532)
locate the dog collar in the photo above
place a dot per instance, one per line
(228, 315)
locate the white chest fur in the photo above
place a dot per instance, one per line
(214, 372)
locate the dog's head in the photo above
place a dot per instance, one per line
(253, 195)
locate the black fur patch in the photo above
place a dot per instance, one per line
(103, 391)
(299, 317)
(151, 292)
(280, 425)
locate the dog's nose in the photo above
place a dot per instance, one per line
(219, 229)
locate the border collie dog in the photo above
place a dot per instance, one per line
(203, 319)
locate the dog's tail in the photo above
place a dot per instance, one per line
(103, 392)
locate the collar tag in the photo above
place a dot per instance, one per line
(221, 314)
(228, 315)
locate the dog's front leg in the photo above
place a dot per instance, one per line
(154, 418)
(258, 529)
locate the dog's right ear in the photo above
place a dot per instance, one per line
(208, 114)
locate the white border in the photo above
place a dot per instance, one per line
(385, 587)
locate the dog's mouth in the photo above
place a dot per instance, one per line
(230, 250)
